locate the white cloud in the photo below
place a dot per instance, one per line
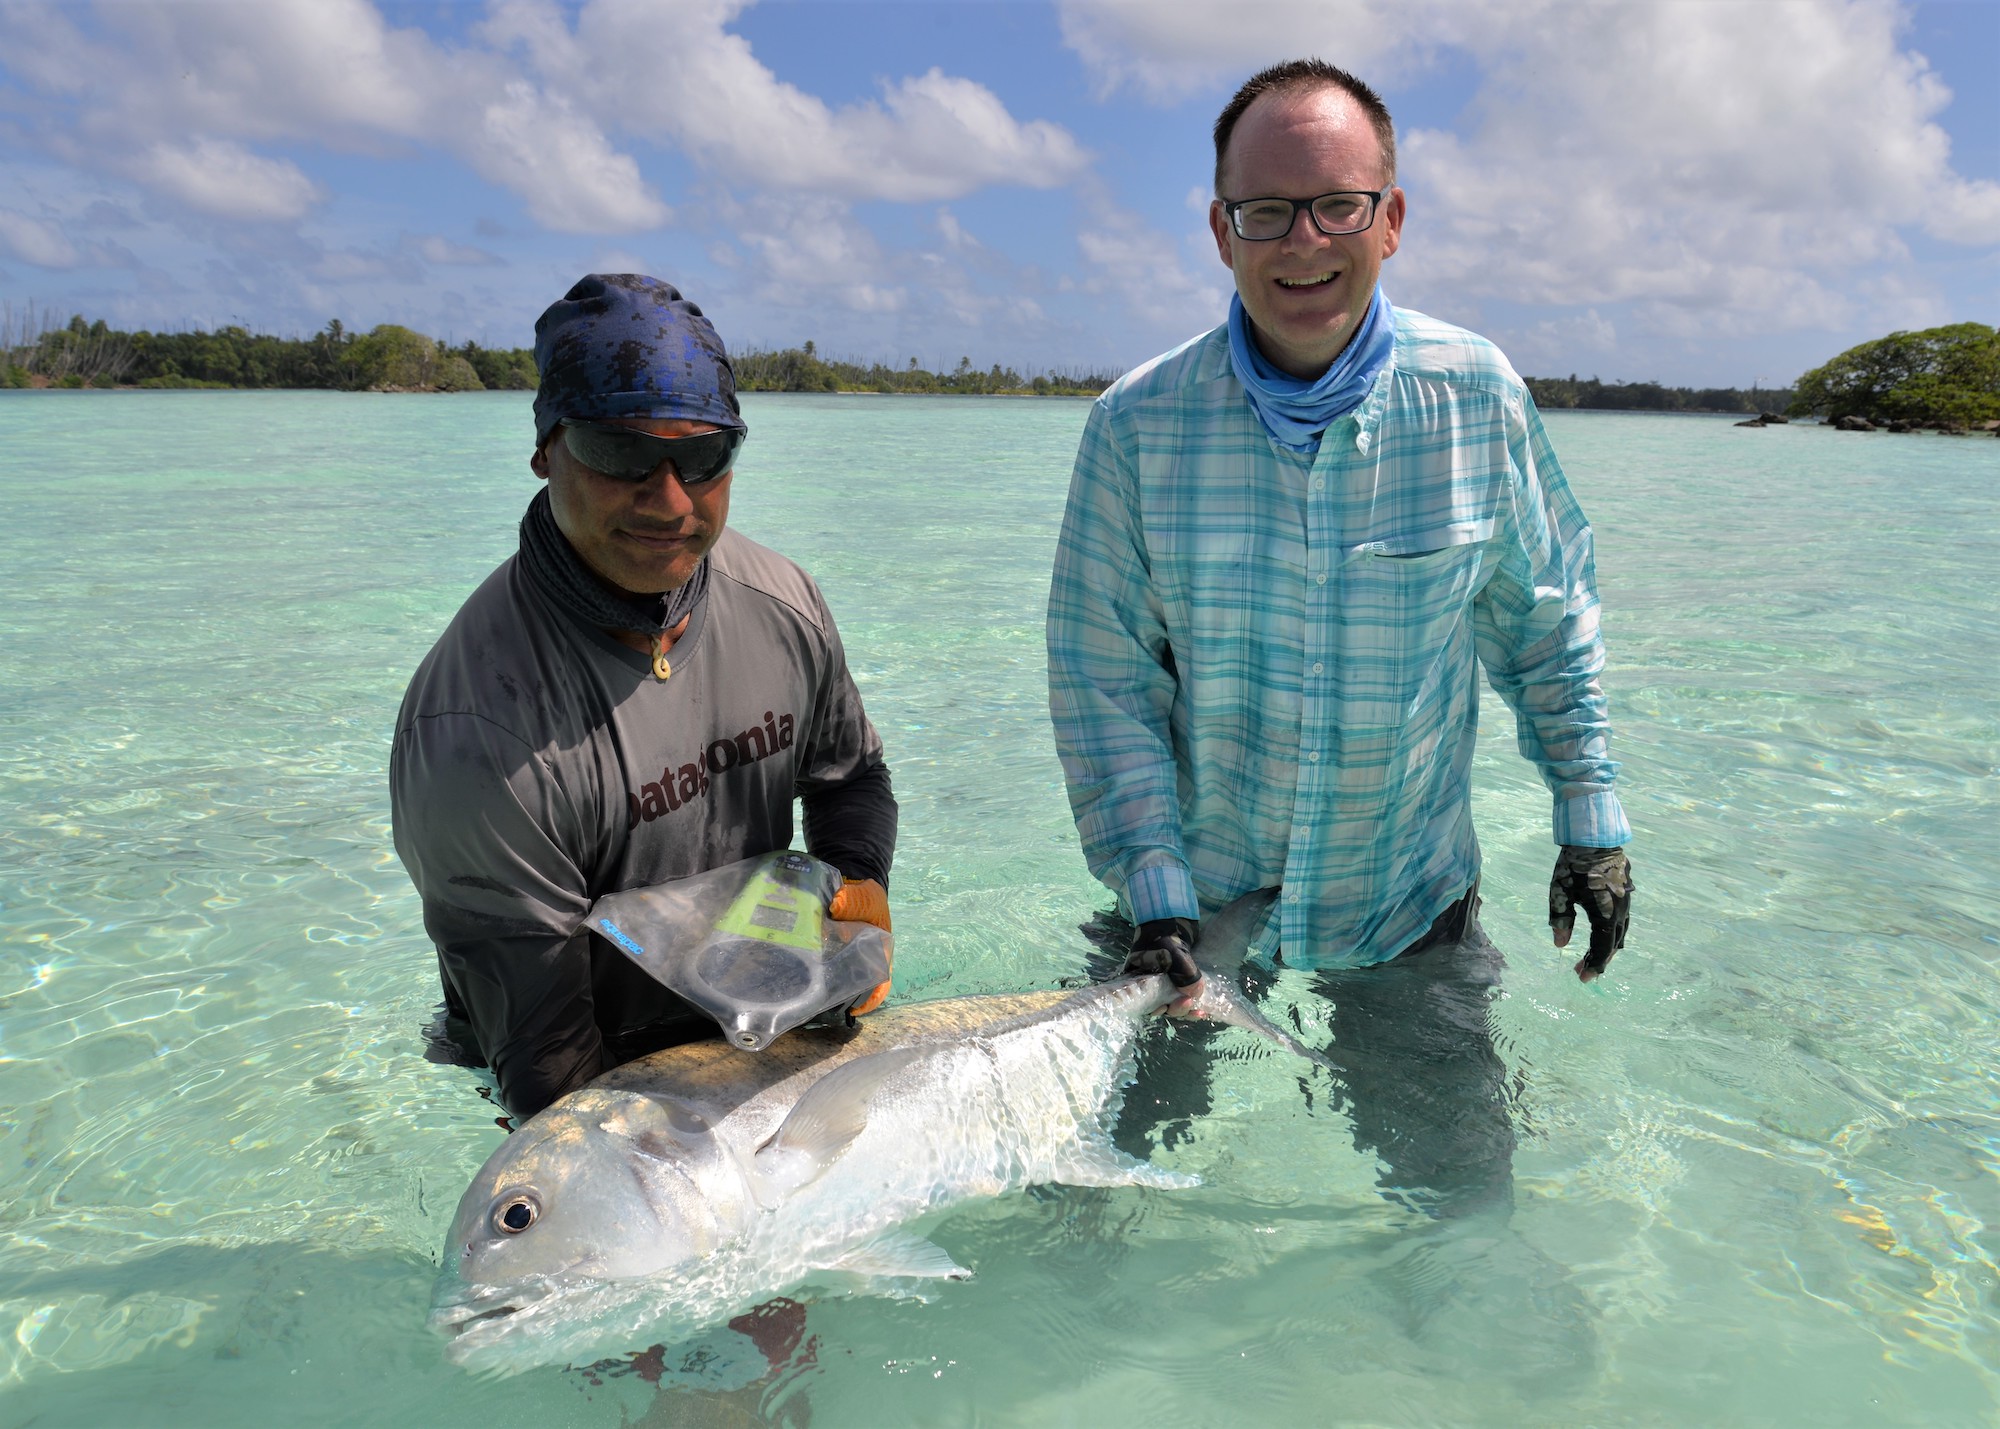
(953, 232)
(33, 241)
(351, 266)
(1145, 269)
(929, 137)
(566, 171)
(435, 248)
(1164, 48)
(206, 81)
(226, 179)
(813, 251)
(1563, 340)
(619, 260)
(1966, 213)
(267, 69)
(1717, 165)
(208, 84)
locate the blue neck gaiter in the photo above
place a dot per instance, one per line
(1295, 411)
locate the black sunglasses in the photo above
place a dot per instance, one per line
(630, 455)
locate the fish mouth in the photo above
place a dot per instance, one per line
(455, 1328)
(460, 1311)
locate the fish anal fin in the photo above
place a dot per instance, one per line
(1219, 950)
(1099, 1163)
(900, 1254)
(823, 1122)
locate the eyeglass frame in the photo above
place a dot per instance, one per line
(1375, 201)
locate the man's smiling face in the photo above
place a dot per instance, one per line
(1305, 294)
(643, 537)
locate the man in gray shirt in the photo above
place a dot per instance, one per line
(637, 695)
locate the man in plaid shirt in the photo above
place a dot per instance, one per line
(1289, 546)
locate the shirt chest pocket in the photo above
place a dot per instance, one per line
(1403, 619)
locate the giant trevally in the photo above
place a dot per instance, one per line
(683, 1187)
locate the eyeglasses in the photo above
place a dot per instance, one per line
(630, 455)
(1263, 219)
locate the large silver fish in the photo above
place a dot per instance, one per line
(688, 1185)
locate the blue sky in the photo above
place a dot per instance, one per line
(1689, 191)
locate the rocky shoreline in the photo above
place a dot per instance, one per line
(1863, 424)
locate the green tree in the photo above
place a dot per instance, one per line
(455, 374)
(503, 369)
(391, 356)
(1941, 376)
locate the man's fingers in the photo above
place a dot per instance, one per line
(1604, 942)
(860, 900)
(1609, 912)
(1187, 1001)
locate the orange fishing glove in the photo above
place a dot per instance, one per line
(863, 900)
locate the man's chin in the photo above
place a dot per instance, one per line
(656, 585)
(642, 579)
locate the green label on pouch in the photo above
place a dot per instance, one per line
(772, 912)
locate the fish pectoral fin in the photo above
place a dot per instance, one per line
(827, 1118)
(901, 1254)
(1099, 1163)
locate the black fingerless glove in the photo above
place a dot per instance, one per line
(1164, 945)
(1599, 881)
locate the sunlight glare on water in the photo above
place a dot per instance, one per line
(1756, 1171)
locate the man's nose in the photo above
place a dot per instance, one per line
(663, 493)
(1303, 233)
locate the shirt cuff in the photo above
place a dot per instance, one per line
(1163, 890)
(1592, 821)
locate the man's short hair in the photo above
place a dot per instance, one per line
(1306, 74)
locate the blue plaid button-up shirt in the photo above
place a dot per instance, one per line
(1262, 666)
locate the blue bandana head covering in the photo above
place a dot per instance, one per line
(625, 345)
(1295, 410)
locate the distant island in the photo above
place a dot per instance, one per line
(1590, 395)
(1947, 378)
(389, 358)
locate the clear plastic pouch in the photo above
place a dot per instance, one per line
(749, 943)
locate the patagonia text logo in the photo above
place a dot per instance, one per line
(683, 785)
(619, 936)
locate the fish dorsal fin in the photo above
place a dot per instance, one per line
(827, 1118)
(901, 1254)
(1225, 938)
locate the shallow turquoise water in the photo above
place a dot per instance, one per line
(1757, 1179)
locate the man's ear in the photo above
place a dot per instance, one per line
(1391, 220)
(1218, 224)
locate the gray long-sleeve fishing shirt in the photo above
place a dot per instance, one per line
(538, 764)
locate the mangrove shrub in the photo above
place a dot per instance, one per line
(1940, 377)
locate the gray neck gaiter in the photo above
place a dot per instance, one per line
(554, 565)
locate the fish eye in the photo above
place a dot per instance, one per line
(516, 1214)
